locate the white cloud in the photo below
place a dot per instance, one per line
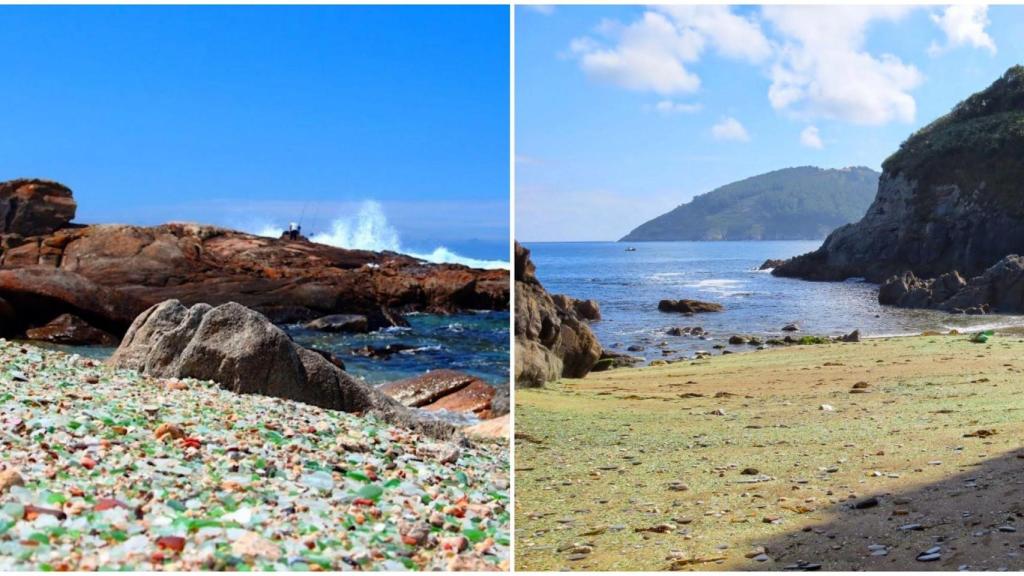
(652, 53)
(809, 137)
(964, 25)
(823, 70)
(672, 107)
(545, 9)
(730, 129)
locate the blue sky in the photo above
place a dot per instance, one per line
(624, 112)
(242, 116)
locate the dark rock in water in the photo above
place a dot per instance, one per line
(552, 340)
(634, 348)
(689, 306)
(72, 330)
(329, 356)
(737, 339)
(611, 360)
(948, 199)
(678, 331)
(339, 323)
(382, 351)
(770, 264)
(243, 352)
(851, 337)
(790, 328)
(34, 207)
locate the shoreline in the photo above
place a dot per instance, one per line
(757, 462)
(109, 468)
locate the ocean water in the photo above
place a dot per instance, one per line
(473, 342)
(628, 286)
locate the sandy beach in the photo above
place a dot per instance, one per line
(886, 454)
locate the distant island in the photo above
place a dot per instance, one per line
(803, 203)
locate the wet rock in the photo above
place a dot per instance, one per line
(686, 306)
(340, 323)
(790, 328)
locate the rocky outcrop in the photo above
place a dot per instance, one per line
(244, 352)
(71, 330)
(340, 323)
(948, 199)
(34, 207)
(552, 340)
(37, 295)
(771, 264)
(685, 306)
(998, 289)
(288, 281)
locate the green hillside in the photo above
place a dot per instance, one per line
(804, 203)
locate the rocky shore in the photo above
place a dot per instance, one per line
(103, 276)
(109, 468)
(948, 208)
(552, 337)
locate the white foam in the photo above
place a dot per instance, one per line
(369, 230)
(722, 286)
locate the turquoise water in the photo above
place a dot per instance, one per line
(474, 342)
(628, 286)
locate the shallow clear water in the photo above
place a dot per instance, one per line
(628, 286)
(474, 342)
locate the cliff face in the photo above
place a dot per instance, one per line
(950, 199)
(552, 338)
(803, 203)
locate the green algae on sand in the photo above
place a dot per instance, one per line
(843, 456)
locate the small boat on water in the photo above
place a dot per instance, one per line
(630, 249)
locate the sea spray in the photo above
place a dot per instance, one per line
(369, 229)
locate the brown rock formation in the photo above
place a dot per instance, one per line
(32, 207)
(133, 268)
(447, 390)
(552, 341)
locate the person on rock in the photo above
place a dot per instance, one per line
(294, 230)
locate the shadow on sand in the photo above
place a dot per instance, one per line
(973, 520)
